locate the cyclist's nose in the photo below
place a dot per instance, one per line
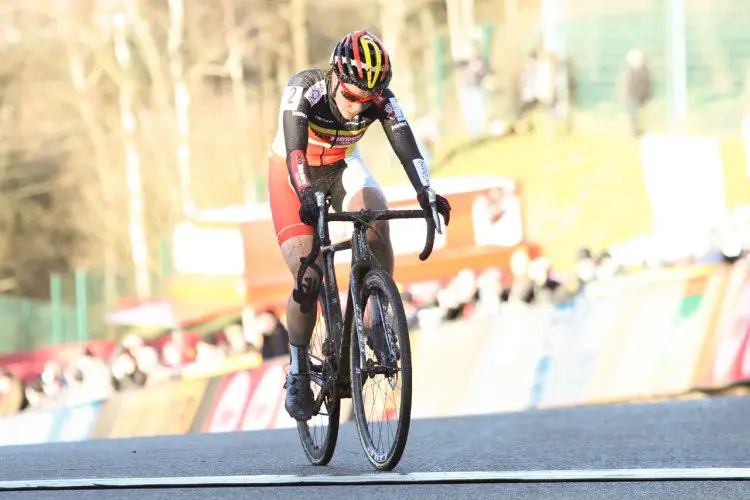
(355, 108)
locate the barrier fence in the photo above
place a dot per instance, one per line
(655, 335)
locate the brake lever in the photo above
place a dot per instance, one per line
(433, 204)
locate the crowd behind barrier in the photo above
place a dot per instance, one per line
(656, 334)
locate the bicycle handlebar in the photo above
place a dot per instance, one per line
(368, 216)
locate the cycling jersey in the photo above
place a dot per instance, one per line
(312, 132)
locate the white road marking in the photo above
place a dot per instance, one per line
(384, 478)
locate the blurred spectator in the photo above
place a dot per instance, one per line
(607, 267)
(496, 217)
(89, 378)
(638, 88)
(474, 71)
(541, 86)
(275, 335)
(148, 365)
(53, 384)
(237, 343)
(460, 294)
(426, 130)
(11, 393)
(489, 287)
(209, 350)
(34, 394)
(545, 289)
(528, 90)
(585, 269)
(520, 289)
(125, 372)
(410, 310)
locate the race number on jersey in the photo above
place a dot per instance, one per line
(292, 95)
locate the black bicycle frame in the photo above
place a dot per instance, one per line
(361, 263)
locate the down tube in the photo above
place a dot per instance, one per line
(334, 303)
(360, 266)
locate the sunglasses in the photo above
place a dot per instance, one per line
(352, 97)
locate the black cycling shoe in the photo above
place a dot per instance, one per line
(299, 396)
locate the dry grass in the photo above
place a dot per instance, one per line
(580, 190)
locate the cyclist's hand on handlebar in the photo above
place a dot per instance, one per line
(308, 210)
(441, 204)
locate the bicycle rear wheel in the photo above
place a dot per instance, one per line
(387, 368)
(319, 434)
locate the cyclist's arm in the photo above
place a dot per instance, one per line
(402, 140)
(294, 109)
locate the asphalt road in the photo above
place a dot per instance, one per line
(694, 434)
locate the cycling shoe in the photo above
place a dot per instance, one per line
(299, 396)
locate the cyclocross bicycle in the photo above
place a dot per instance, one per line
(346, 357)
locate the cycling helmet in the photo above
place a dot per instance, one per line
(360, 59)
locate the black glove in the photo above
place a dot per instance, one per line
(308, 210)
(441, 204)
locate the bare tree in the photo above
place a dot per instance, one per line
(139, 247)
(83, 82)
(300, 39)
(181, 102)
(235, 68)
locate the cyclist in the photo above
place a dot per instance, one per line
(322, 115)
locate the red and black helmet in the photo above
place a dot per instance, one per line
(360, 59)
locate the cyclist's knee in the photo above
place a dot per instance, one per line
(367, 197)
(295, 249)
(305, 291)
(379, 236)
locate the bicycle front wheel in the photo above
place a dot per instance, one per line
(381, 371)
(319, 434)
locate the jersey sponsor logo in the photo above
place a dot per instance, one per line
(424, 174)
(320, 137)
(291, 98)
(316, 92)
(348, 140)
(393, 110)
(299, 114)
(323, 119)
(298, 168)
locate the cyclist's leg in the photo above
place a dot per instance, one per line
(363, 191)
(295, 241)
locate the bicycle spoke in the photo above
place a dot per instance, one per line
(381, 384)
(319, 434)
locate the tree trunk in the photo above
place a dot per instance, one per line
(298, 24)
(239, 95)
(139, 247)
(103, 168)
(392, 22)
(181, 102)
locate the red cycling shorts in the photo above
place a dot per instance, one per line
(284, 202)
(342, 180)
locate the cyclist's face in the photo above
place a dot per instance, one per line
(351, 100)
